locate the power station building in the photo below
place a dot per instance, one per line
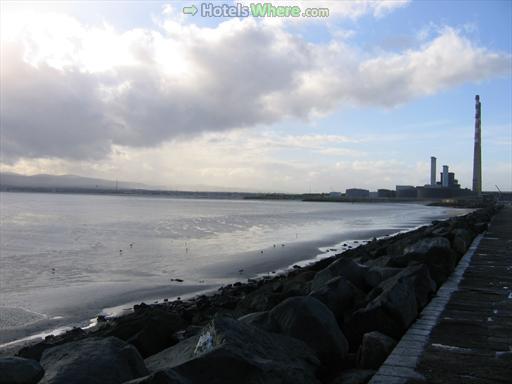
(448, 186)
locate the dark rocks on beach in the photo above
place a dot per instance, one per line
(337, 294)
(229, 351)
(35, 351)
(17, 370)
(354, 376)
(480, 227)
(314, 323)
(345, 267)
(424, 286)
(376, 275)
(435, 252)
(150, 329)
(93, 360)
(160, 377)
(269, 295)
(462, 239)
(374, 349)
(391, 312)
(307, 319)
(261, 320)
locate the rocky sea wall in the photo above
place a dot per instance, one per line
(334, 321)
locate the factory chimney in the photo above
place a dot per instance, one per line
(432, 171)
(477, 155)
(444, 176)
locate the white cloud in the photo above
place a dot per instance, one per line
(92, 88)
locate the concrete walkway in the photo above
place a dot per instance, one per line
(464, 335)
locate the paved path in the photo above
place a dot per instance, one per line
(465, 334)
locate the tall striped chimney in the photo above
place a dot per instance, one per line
(477, 155)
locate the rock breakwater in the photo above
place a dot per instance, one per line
(333, 321)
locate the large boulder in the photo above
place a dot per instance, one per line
(426, 244)
(424, 286)
(261, 320)
(91, 361)
(376, 275)
(435, 252)
(160, 377)
(391, 312)
(17, 370)
(374, 349)
(462, 239)
(394, 304)
(307, 319)
(337, 294)
(269, 295)
(354, 376)
(345, 267)
(229, 351)
(35, 351)
(149, 328)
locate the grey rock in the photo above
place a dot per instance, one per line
(435, 252)
(345, 267)
(160, 377)
(426, 244)
(380, 261)
(91, 361)
(462, 239)
(337, 294)
(354, 376)
(261, 320)
(374, 350)
(394, 304)
(391, 312)
(375, 275)
(17, 370)
(480, 227)
(424, 286)
(238, 353)
(307, 319)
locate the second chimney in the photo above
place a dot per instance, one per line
(433, 171)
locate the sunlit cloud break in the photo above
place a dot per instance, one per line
(91, 87)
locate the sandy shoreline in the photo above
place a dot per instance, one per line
(324, 316)
(117, 302)
(84, 304)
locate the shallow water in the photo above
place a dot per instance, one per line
(65, 257)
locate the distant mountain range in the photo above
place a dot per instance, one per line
(15, 180)
(69, 183)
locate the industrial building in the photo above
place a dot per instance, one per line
(385, 193)
(447, 186)
(357, 193)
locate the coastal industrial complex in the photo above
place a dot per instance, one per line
(447, 186)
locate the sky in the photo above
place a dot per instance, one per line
(140, 91)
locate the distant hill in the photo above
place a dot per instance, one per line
(15, 180)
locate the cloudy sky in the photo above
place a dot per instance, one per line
(363, 98)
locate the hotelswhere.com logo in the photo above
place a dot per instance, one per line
(254, 10)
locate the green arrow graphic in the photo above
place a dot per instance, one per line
(192, 10)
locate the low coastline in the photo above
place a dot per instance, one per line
(117, 304)
(271, 262)
(257, 295)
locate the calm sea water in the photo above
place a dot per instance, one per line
(66, 257)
